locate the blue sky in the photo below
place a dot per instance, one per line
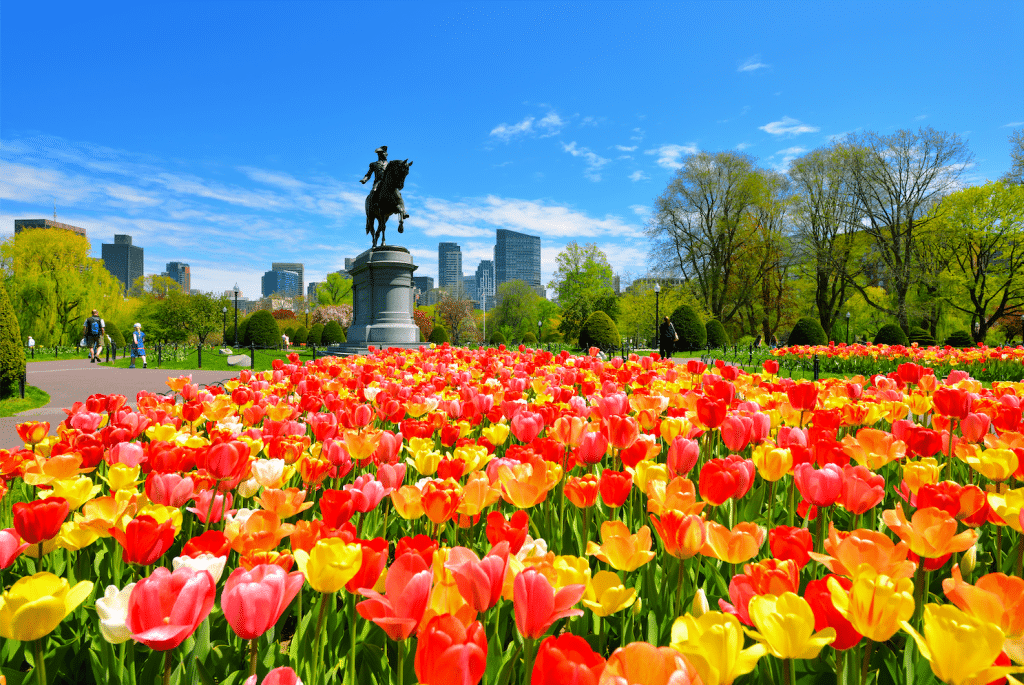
(232, 134)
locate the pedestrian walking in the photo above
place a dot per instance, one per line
(94, 329)
(138, 346)
(667, 338)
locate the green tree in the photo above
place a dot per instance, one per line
(12, 354)
(599, 331)
(1015, 175)
(456, 314)
(262, 330)
(194, 316)
(335, 290)
(516, 305)
(582, 284)
(316, 332)
(154, 286)
(332, 334)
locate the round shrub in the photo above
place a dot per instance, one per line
(290, 332)
(599, 331)
(716, 333)
(332, 334)
(116, 337)
(920, 336)
(691, 331)
(300, 335)
(243, 325)
(262, 330)
(12, 354)
(890, 334)
(807, 331)
(529, 338)
(439, 335)
(497, 339)
(315, 336)
(960, 339)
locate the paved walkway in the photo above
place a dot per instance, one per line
(73, 380)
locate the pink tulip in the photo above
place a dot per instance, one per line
(220, 503)
(761, 427)
(406, 592)
(593, 447)
(537, 605)
(388, 448)
(682, 456)
(391, 476)
(820, 487)
(128, 453)
(974, 427)
(736, 432)
(526, 425)
(366, 492)
(86, 421)
(10, 546)
(167, 607)
(170, 489)
(615, 404)
(862, 489)
(252, 601)
(283, 675)
(479, 581)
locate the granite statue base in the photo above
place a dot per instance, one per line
(382, 297)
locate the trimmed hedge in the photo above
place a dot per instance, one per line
(300, 335)
(262, 330)
(116, 337)
(960, 339)
(890, 334)
(599, 331)
(439, 335)
(920, 336)
(497, 339)
(691, 331)
(316, 332)
(716, 333)
(333, 334)
(529, 338)
(12, 354)
(807, 331)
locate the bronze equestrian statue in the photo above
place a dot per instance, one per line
(385, 197)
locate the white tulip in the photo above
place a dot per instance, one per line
(204, 562)
(112, 608)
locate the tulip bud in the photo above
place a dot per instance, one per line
(968, 561)
(248, 488)
(700, 604)
(637, 607)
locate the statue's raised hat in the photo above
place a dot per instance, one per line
(382, 148)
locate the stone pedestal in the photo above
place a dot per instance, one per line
(382, 295)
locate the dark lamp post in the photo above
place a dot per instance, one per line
(236, 315)
(540, 324)
(224, 324)
(657, 311)
(847, 328)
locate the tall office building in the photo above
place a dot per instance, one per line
(485, 280)
(287, 283)
(293, 267)
(449, 266)
(123, 260)
(423, 283)
(181, 273)
(469, 287)
(24, 224)
(311, 290)
(517, 257)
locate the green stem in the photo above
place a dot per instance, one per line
(841, 674)
(401, 663)
(680, 587)
(791, 509)
(530, 645)
(920, 581)
(771, 502)
(867, 662)
(318, 656)
(819, 542)
(352, 641)
(167, 667)
(252, 656)
(789, 671)
(999, 548)
(1019, 566)
(37, 648)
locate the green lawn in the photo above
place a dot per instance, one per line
(211, 360)
(34, 398)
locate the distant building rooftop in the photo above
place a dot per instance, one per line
(24, 224)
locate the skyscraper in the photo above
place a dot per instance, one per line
(181, 273)
(517, 257)
(294, 267)
(287, 283)
(449, 266)
(123, 260)
(485, 281)
(469, 287)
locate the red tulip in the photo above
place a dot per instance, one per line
(144, 540)
(615, 487)
(537, 605)
(862, 489)
(420, 545)
(711, 412)
(480, 581)
(513, 531)
(683, 535)
(566, 660)
(682, 456)
(952, 402)
(724, 479)
(803, 396)
(282, 675)
(406, 594)
(736, 432)
(526, 425)
(623, 431)
(375, 558)
(450, 653)
(975, 427)
(910, 373)
(820, 487)
(40, 519)
(582, 490)
(794, 544)
(593, 447)
(826, 615)
(923, 442)
(211, 542)
(167, 607)
(227, 460)
(336, 507)
(254, 600)
(770, 366)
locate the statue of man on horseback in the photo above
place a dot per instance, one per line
(385, 197)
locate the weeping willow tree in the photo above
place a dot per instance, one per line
(54, 284)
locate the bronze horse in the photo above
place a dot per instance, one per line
(388, 200)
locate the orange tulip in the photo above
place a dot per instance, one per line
(931, 532)
(852, 550)
(582, 491)
(361, 444)
(262, 531)
(33, 432)
(683, 535)
(284, 503)
(874, 448)
(995, 598)
(477, 495)
(733, 546)
(679, 494)
(621, 549)
(524, 485)
(408, 501)
(568, 430)
(641, 662)
(440, 500)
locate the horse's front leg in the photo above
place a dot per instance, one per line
(383, 224)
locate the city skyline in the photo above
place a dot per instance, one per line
(528, 137)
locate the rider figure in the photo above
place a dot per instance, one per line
(377, 171)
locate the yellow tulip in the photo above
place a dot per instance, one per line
(620, 549)
(919, 473)
(408, 501)
(875, 604)
(162, 432)
(424, 461)
(76, 491)
(571, 571)
(607, 595)
(786, 626)
(1007, 505)
(994, 464)
(959, 647)
(74, 536)
(672, 426)
(714, 645)
(474, 456)
(772, 462)
(35, 605)
(330, 564)
(496, 434)
(123, 477)
(647, 472)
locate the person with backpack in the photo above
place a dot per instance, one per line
(94, 330)
(138, 346)
(667, 338)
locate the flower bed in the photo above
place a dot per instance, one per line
(456, 515)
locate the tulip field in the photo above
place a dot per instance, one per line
(507, 516)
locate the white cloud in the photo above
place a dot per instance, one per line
(625, 148)
(594, 160)
(507, 132)
(640, 210)
(788, 155)
(668, 155)
(1012, 124)
(788, 126)
(272, 178)
(551, 123)
(753, 64)
(588, 121)
(638, 176)
(742, 146)
(639, 134)
(920, 117)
